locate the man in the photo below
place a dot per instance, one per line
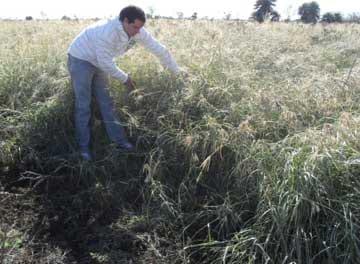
(91, 62)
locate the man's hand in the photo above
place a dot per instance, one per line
(130, 84)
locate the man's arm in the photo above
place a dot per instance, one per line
(159, 50)
(106, 63)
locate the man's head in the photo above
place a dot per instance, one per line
(133, 19)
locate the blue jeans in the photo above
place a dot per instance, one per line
(87, 81)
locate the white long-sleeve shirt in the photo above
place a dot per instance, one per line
(101, 42)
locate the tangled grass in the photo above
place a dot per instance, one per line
(254, 158)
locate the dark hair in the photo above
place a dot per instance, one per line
(131, 13)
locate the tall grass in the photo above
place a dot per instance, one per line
(251, 159)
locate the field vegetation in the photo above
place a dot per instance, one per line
(253, 158)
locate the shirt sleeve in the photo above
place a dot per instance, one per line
(159, 50)
(105, 59)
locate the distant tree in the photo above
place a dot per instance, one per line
(28, 18)
(151, 12)
(65, 18)
(227, 16)
(180, 15)
(353, 18)
(274, 16)
(338, 17)
(309, 12)
(257, 17)
(332, 18)
(194, 16)
(43, 15)
(289, 13)
(263, 10)
(328, 18)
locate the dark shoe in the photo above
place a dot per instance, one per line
(126, 147)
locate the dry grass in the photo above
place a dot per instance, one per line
(252, 159)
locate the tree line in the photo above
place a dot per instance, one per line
(264, 10)
(309, 13)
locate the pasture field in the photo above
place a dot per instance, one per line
(254, 157)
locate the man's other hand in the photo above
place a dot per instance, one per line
(130, 84)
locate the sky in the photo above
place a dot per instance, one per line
(205, 8)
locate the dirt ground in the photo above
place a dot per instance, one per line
(50, 225)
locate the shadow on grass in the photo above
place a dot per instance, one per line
(83, 216)
(78, 206)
